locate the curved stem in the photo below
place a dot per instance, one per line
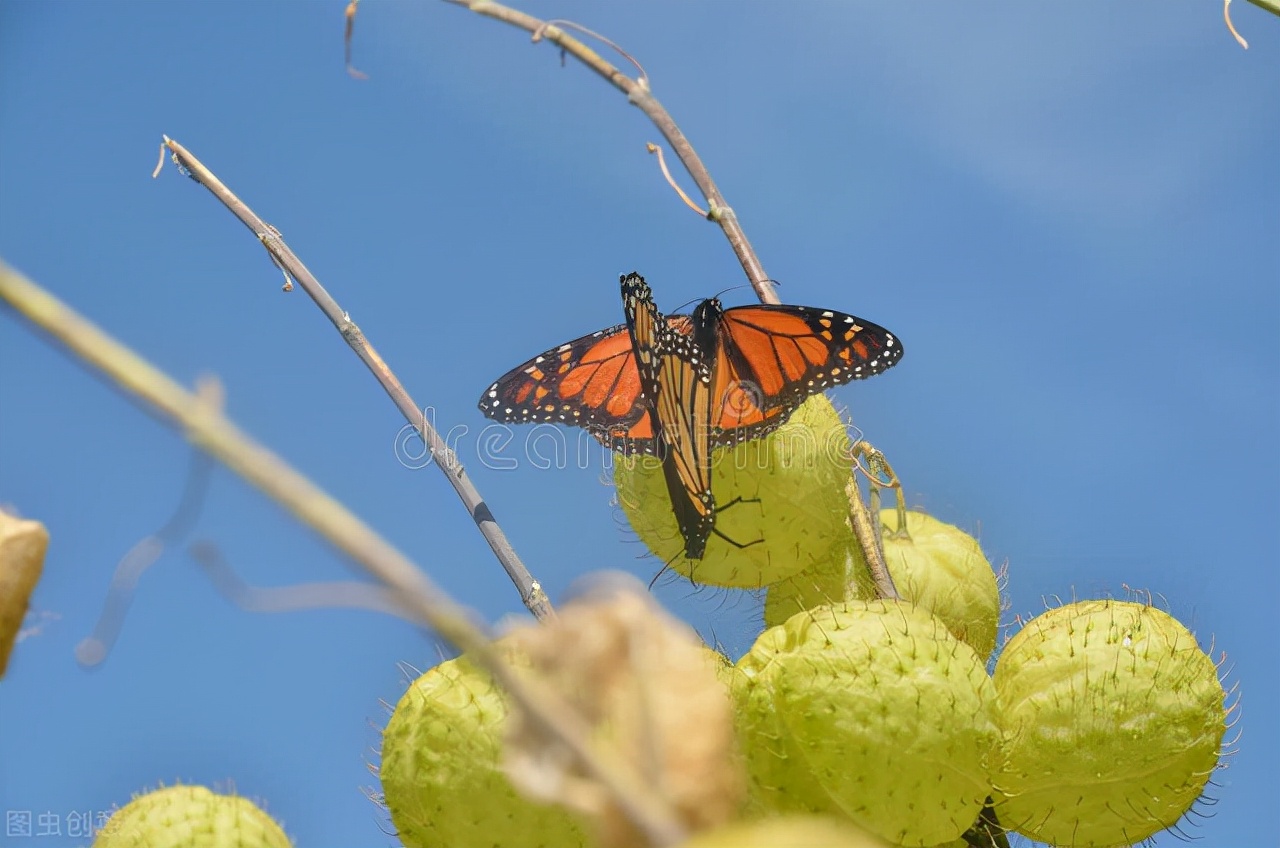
(530, 590)
(866, 529)
(640, 95)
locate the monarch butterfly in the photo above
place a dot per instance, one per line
(715, 378)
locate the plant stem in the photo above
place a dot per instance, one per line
(535, 600)
(639, 95)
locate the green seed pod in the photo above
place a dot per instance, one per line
(442, 777)
(786, 832)
(792, 513)
(843, 576)
(942, 568)
(779, 780)
(190, 817)
(1113, 720)
(873, 710)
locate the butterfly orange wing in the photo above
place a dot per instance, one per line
(769, 359)
(590, 382)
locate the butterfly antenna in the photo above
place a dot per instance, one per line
(682, 307)
(716, 296)
(723, 292)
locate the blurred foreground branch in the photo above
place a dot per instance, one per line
(203, 424)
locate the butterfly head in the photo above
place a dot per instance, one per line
(706, 324)
(708, 312)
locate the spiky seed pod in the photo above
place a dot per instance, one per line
(870, 709)
(780, 781)
(442, 776)
(793, 511)
(1113, 720)
(843, 576)
(942, 568)
(190, 817)
(22, 547)
(787, 832)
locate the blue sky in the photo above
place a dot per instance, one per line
(1067, 214)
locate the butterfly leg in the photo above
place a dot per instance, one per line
(721, 508)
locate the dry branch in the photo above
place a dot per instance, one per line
(535, 600)
(204, 425)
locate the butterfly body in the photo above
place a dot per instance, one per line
(676, 378)
(677, 386)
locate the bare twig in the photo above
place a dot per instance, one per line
(350, 15)
(662, 163)
(206, 428)
(1226, 16)
(94, 648)
(530, 591)
(639, 95)
(204, 425)
(642, 80)
(343, 594)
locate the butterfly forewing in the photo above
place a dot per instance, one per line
(588, 382)
(769, 359)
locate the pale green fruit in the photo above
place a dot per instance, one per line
(793, 504)
(843, 576)
(442, 777)
(871, 709)
(786, 832)
(1113, 721)
(779, 779)
(190, 817)
(942, 568)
